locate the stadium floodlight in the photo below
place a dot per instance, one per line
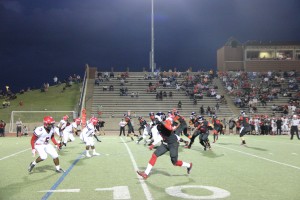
(152, 62)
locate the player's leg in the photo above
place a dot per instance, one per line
(173, 148)
(42, 156)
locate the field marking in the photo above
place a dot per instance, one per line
(142, 182)
(272, 141)
(56, 184)
(259, 157)
(14, 154)
(63, 190)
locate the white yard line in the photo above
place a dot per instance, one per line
(142, 182)
(280, 142)
(14, 154)
(259, 157)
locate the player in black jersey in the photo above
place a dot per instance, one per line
(170, 143)
(202, 128)
(181, 127)
(145, 127)
(245, 126)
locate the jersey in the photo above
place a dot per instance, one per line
(71, 127)
(88, 131)
(62, 125)
(244, 121)
(205, 127)
(42, 135)
(165, 132)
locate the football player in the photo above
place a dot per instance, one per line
(181, 127)
(87, 135)
(69, 130)
(130, 126)
(63, 123)
(245, 126)
(202, 128)
(40, 143)
(170, 143)
(146, 130)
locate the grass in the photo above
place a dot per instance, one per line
(54, 99)
(268, 169)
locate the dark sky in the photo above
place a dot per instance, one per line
(40, 39)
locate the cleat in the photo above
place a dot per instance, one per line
(142, 174)
(189, 168)
(96, 154)
(187, 147)
(60, 170)
(186, 143)
(88, 155)
(31, 166)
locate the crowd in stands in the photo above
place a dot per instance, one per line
(252, 89)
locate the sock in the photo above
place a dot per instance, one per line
(185, 164)
(57, 167)
(149, 167)
(87, 152)
(34, 163)
(94, 150)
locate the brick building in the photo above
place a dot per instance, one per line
(258, 56)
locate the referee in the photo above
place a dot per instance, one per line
(294, 126)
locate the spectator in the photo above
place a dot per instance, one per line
(2, 128)
(179, 105)
(55, 80)
(25, 130)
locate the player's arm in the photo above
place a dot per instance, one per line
(33, 139)
(54, 140)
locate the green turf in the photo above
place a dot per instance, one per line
(268, 169)
(55, 99)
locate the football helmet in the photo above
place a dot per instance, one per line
(66, 117)
(77, 121)
(48, 122)
(94, 121)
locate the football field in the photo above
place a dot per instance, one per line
(267, 169)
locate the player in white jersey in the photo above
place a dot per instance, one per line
(274, 126)
(69, 130)
(156, 137)
(285, 123)
(40, 143)
(87, 136)
(63, 123)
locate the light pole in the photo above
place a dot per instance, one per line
(152, 63)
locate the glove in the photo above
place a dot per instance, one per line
(33, 151)
(158, 118)
(151, 146)
(58, 146)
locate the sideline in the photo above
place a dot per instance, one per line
(142, 182)
(259, 157)
(14, 154)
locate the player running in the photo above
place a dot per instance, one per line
(40, 143)
(70, 130)
(170, 143)
(87, 135)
